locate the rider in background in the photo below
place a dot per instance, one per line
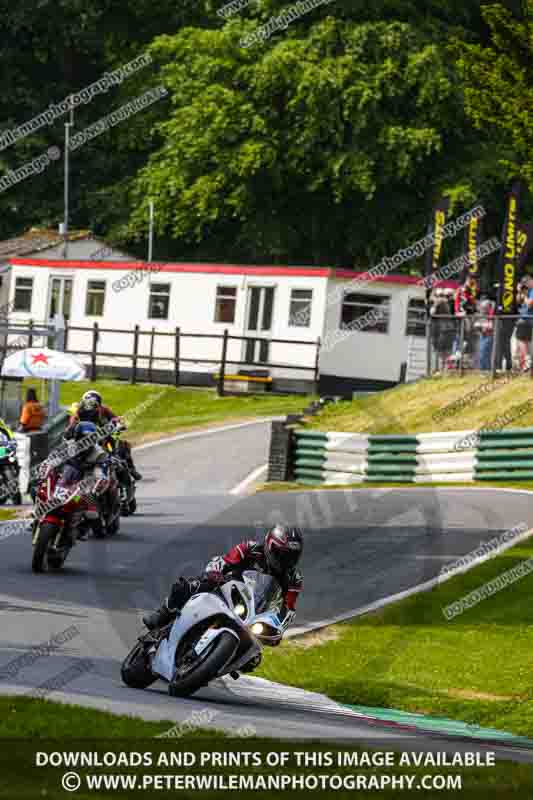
(93, 465)
(277, 555)
(91, 409)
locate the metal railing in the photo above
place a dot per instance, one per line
(477, 342)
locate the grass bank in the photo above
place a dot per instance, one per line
(435, 404)
(166, 410)
(476, 668)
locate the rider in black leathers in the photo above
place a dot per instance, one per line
(277, 556)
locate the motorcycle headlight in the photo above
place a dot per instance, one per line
(240, 610)
(258, 628)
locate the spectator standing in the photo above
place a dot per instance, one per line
(485, 326)
(524, 327)
(465, 308)
(33, 414)
(450, 297)
(442, 328)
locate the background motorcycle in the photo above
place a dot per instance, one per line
(9, 471)
(216, 633)
(55, 531)
(126, 481)
(104, 518)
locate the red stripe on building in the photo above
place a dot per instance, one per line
(224, 269)
(216, 269)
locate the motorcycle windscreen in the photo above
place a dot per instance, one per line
(266, 589)
(66, 485)
(69, 476)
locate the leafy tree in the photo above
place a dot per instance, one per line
(52, 49)
(325, 145)
(498, 84)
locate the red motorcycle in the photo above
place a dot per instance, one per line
(63, 499)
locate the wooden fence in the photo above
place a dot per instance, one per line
(176, 360)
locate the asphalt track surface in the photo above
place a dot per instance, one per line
(360, 547)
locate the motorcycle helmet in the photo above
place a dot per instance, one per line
(75, 447)
(283, 547)
(88, 410)
(93, 395)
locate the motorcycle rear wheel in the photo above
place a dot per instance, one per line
(134, 670)
(97, 528)
(47, 533)
(220, 652)
(113, 527)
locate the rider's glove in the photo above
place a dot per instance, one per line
(286, 617)
(215, 577)
(214, 571)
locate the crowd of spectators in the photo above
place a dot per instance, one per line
(463, 328)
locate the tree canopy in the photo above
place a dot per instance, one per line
(327, 143)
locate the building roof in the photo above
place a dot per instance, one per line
(36, 240)
(220, 269)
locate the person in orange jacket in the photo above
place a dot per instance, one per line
(33, 414)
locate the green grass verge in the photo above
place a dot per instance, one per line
(476, 668)
(411, 408)
(29, 726)
(173, 410)
(37, 718)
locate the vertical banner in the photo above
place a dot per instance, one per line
(473, 237)
(508, 262)
(524, 243)
(433, 253)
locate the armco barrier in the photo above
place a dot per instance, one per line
(345, 458)
(505, 455)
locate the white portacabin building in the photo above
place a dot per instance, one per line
(263, 303)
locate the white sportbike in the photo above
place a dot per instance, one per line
(216, 633)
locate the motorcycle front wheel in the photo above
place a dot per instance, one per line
(44, 537)
(135, 671)
(194, 671)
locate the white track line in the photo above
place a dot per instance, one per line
(421, 587)
(206, 432)
(239, 489)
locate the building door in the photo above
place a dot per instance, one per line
(260, 312)
(60, 297)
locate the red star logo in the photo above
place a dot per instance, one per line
(39, 357)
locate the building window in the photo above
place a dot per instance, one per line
(300, 308)
(94, 307)
(225, 303)
(366, 312)
(416, 318)
(23, 293)
(159, 301)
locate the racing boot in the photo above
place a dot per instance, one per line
(159, 618)
(252, 664)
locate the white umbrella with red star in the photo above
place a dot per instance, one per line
(42, 363)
